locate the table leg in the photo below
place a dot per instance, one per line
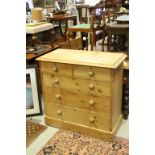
(109, 40)
(60, 28)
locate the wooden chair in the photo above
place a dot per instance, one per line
(97, 23)
(81, 8)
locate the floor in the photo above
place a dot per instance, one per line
(43, 138)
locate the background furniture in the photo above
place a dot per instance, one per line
(118, 29)
(34, 29)
(60, 19)
(30, 57)
(125, 97)
(97, 23)
(82, 8)
(83, 91)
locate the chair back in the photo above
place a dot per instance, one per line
(111, 9)
(97, 16)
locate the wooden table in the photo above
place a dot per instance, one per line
(30, 57)
(120, 29)
(60, 19)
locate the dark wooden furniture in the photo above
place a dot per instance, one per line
(81, 8)
(125, 97)
(97, 23)
(60, 19)
(30, 57)
(125, 4)
(117, 29)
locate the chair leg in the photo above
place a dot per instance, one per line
(92, 40)
(103, 39)
(68, 35)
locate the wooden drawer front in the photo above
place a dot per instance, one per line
(78, 116)
(92, 103)
(81, 86)
(56, 68)
(94, 73)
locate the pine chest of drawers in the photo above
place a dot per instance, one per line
(82, 91)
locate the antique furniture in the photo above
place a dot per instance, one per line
(82, 10)
(97, 23)
(60, 19)
(30, 57)
(118, 29)
(36, 28)
(125, 97)
(82, 91)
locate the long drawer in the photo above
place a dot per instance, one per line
(77, 71)
(78, 116)
(80, 86)
(92, 103)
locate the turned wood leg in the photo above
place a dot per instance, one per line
(68, 35)
(103, 39)
(109, 40)
(92, 38)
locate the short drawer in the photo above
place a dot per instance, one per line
(94, 73)
(56, 68)
(78, 116)
(80, 86)
(92, 103)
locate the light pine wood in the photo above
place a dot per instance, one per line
(78, 116)
(96, 133)
(82, 91)
(88, 58)
(80, 86)
(93, 73)
(87, 102)
(56, 68)
(116, 87)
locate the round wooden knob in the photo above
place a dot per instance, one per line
(59, 112)
(58, 96)
(91, 86)
(91, 119)
(91, 73)
(91, 102)
(55, 69)
(56, 81)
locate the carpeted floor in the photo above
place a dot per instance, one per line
(33, 130)
(70, 143)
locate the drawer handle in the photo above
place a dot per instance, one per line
(59, 112)
(91, 87)
(91, 73)
(56, 81)
(58, 96)
(91, 119)
(55, 69)
(91, 102)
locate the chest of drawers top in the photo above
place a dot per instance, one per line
(84, 58)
